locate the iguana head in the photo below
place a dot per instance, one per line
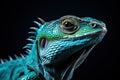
(60, 40)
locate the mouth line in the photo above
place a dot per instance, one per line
(84, 35)
(89, 34)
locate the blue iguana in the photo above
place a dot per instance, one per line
(58, 48)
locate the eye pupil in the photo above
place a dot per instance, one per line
(68, 24)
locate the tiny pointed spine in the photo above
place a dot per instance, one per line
(16, 56)
(28, 46)
(37, 23)
(32, 37)
(31, 40)
(32, 32)
(10, 58)
(42, 21)
(22, 55)
(34, 28)
(1, 61)
(28, 51)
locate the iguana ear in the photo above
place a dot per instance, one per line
(41, 20)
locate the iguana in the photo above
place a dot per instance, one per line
(58, 48)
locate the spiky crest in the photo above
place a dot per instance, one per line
(33, 37)
(28, 46)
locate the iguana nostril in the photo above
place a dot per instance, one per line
(43, 42)
(94, 25)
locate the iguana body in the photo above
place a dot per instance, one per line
(59, 47)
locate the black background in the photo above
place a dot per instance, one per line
(18, 16)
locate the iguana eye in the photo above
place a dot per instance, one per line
(69, 26)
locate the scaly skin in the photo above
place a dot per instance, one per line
(59, 47)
